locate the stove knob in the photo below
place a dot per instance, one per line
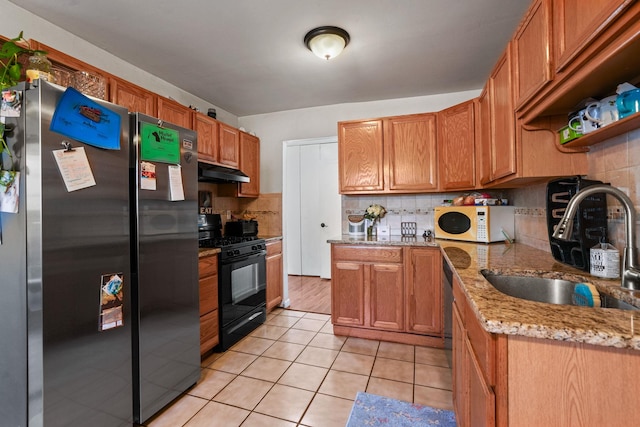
(230, 253)
(255, 248)
(236, 251)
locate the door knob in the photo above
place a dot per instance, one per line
(323, 225)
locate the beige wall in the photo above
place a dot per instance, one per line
(617, 162)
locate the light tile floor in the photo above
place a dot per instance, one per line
(292, 371)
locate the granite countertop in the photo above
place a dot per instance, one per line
(502, 314)
(202, 252)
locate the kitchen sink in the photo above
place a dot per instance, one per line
(548, 290)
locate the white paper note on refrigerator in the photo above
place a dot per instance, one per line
(74, 168)
(175, 183)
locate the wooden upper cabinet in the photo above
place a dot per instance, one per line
(410, 153)
(174, 112)
(360, 157)
(483, 138)
(577, 23)
(456, 147)
(250, 165)
(531, 52)
(132, 97)
(229, 146)
(207, 129)
(503, 141)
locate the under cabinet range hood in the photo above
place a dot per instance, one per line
(219, 174)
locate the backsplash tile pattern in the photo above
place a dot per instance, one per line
(616, 162)
(416, 208)
(266, 209)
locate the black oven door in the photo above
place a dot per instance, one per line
(242, 291)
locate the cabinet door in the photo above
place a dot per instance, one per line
(347, 293)
(173, 112)
(483, 138)
(360, 161)
(250, 165)
(531, 52)
(577, 23)
(410, 153)
(503, 141)
(229, 148)
(482, 400)
(424, 291)
(208, 294)
(274, 274)
(386, 301)
(209, 331)
(456, 147)
(460, 370)
(132, 97)
(207, 129)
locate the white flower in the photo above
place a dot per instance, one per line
(375, 211)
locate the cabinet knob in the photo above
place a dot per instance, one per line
(323, 225)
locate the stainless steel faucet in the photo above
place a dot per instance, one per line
(630, 272)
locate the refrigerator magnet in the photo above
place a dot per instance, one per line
(111, 301)
(147, 176)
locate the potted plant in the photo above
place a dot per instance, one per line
(10, 75)
(11, 70)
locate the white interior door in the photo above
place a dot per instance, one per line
(312, 205)
(319, 207)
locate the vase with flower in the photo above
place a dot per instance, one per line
(373, 214)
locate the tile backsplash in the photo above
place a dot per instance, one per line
(616, 162)
(266, 209)
(416, 208)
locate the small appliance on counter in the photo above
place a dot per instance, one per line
(241, 228)
(589, 228)
(483, 224)
(356, 225)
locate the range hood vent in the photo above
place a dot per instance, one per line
(219, 174)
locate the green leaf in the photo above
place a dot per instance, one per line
(15, 71)
(9, 49)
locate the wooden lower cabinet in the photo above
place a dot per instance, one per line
(274, 274)
(424, 300)
(370, 292)
(209, 327)
(516, 381)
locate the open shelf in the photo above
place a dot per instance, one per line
(614, 129)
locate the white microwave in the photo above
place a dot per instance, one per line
(483, 224)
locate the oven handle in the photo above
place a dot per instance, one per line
(244, 322)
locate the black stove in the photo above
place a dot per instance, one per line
(231, 247)
(241, 277)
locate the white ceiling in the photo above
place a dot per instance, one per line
(248, 56)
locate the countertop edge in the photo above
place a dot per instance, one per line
(501, 314)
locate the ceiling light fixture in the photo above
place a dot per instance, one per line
(326, 42)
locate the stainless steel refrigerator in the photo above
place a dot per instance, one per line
(165, 263)
(62, 362)
(98, 279)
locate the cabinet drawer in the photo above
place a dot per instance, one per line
(274, 248)
(208, 294)
(209, 335)
(482, 343)
(208, 265)
(367, 254)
